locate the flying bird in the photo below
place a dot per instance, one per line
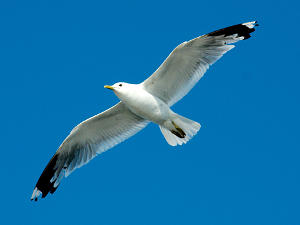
(140, 104)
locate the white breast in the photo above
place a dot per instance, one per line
(144, 104)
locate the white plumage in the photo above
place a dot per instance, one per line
(149, 101)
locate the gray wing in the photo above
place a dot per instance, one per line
(188, 62)
(85, 141)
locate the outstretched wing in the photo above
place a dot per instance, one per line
(85, 141)
(188, 62)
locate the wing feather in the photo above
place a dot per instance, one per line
(188, 62)
(85, 141)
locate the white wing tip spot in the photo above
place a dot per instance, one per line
(35, 195)
(250, 24)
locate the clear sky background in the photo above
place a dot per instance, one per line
(243, 166)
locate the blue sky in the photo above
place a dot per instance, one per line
(241, 168)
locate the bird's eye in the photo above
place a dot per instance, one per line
(120, 85)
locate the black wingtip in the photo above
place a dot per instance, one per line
(44, 186)
(242, 30)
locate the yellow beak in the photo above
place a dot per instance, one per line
(109, 87)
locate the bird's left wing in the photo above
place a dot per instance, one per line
(85, 141)
(188, 62)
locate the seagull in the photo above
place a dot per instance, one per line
(140, 104)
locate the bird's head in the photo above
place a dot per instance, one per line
(122, 89)
(117, 87)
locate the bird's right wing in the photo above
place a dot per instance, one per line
(188, 62)
(85, 141)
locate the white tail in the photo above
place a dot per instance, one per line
(189, 127)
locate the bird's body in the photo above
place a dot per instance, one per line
(142, 103)
(151, 108)
(149, 101)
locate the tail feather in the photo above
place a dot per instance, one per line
(170, 138)
(181, 124)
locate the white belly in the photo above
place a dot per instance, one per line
(147, 106)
